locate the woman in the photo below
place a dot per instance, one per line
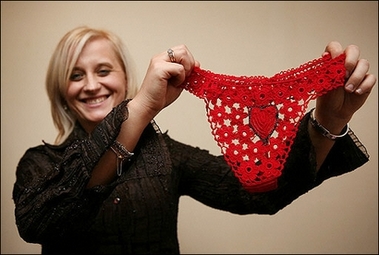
(112, 182)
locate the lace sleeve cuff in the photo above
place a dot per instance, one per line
(347, 154)
(105, 134)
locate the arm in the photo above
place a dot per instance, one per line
(209, 179)
(160, 87)
(50, 195)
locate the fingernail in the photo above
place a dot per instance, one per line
(350, 87)
(358, 91)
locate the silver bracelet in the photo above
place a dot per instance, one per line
(320, 128)
(122, 154)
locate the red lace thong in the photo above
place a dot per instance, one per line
(254, 119)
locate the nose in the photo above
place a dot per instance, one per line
(91, 83)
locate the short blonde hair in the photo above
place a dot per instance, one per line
(62, 63)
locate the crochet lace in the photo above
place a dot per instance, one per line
(254, 119)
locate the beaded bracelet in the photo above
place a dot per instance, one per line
(323, 130)
(121, 154)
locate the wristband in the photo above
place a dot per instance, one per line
(324, 131)
(121, 154)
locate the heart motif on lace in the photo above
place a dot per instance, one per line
(263, 121)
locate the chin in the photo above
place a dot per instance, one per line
(98, 117)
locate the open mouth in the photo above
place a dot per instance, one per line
(96, 100)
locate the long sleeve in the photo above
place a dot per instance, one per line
(211, 181)
(50, 192)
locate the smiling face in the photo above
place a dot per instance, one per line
(97, 83)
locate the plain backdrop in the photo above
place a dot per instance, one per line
(239, 38)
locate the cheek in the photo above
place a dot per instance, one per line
(122, 92)
(120, 87)
(72, 91)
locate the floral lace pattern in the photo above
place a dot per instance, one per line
(254, 119)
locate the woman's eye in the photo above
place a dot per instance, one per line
(76, 77)
(104, 72)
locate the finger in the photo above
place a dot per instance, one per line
(358, 74)
(334, 49)
(366, 86)
(177, 75)
(352, 56)
(186, 59)
(181, 55)
(176, 54)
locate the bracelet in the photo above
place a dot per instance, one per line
(121, 154)
(323, 130)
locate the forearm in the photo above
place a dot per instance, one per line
(322, 144)
(130, 132)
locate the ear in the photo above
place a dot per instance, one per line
(63, 103)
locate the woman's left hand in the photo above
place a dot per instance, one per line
(336, 108)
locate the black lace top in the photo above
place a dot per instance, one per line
(138, 212)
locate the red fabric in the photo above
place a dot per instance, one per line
(254, 119)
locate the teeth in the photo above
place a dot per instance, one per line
(95, 100)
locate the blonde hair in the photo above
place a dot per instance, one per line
(62, 63)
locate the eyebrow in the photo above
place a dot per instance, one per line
(104, 64)
(107, 64)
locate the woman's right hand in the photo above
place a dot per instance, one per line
(161, 85)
